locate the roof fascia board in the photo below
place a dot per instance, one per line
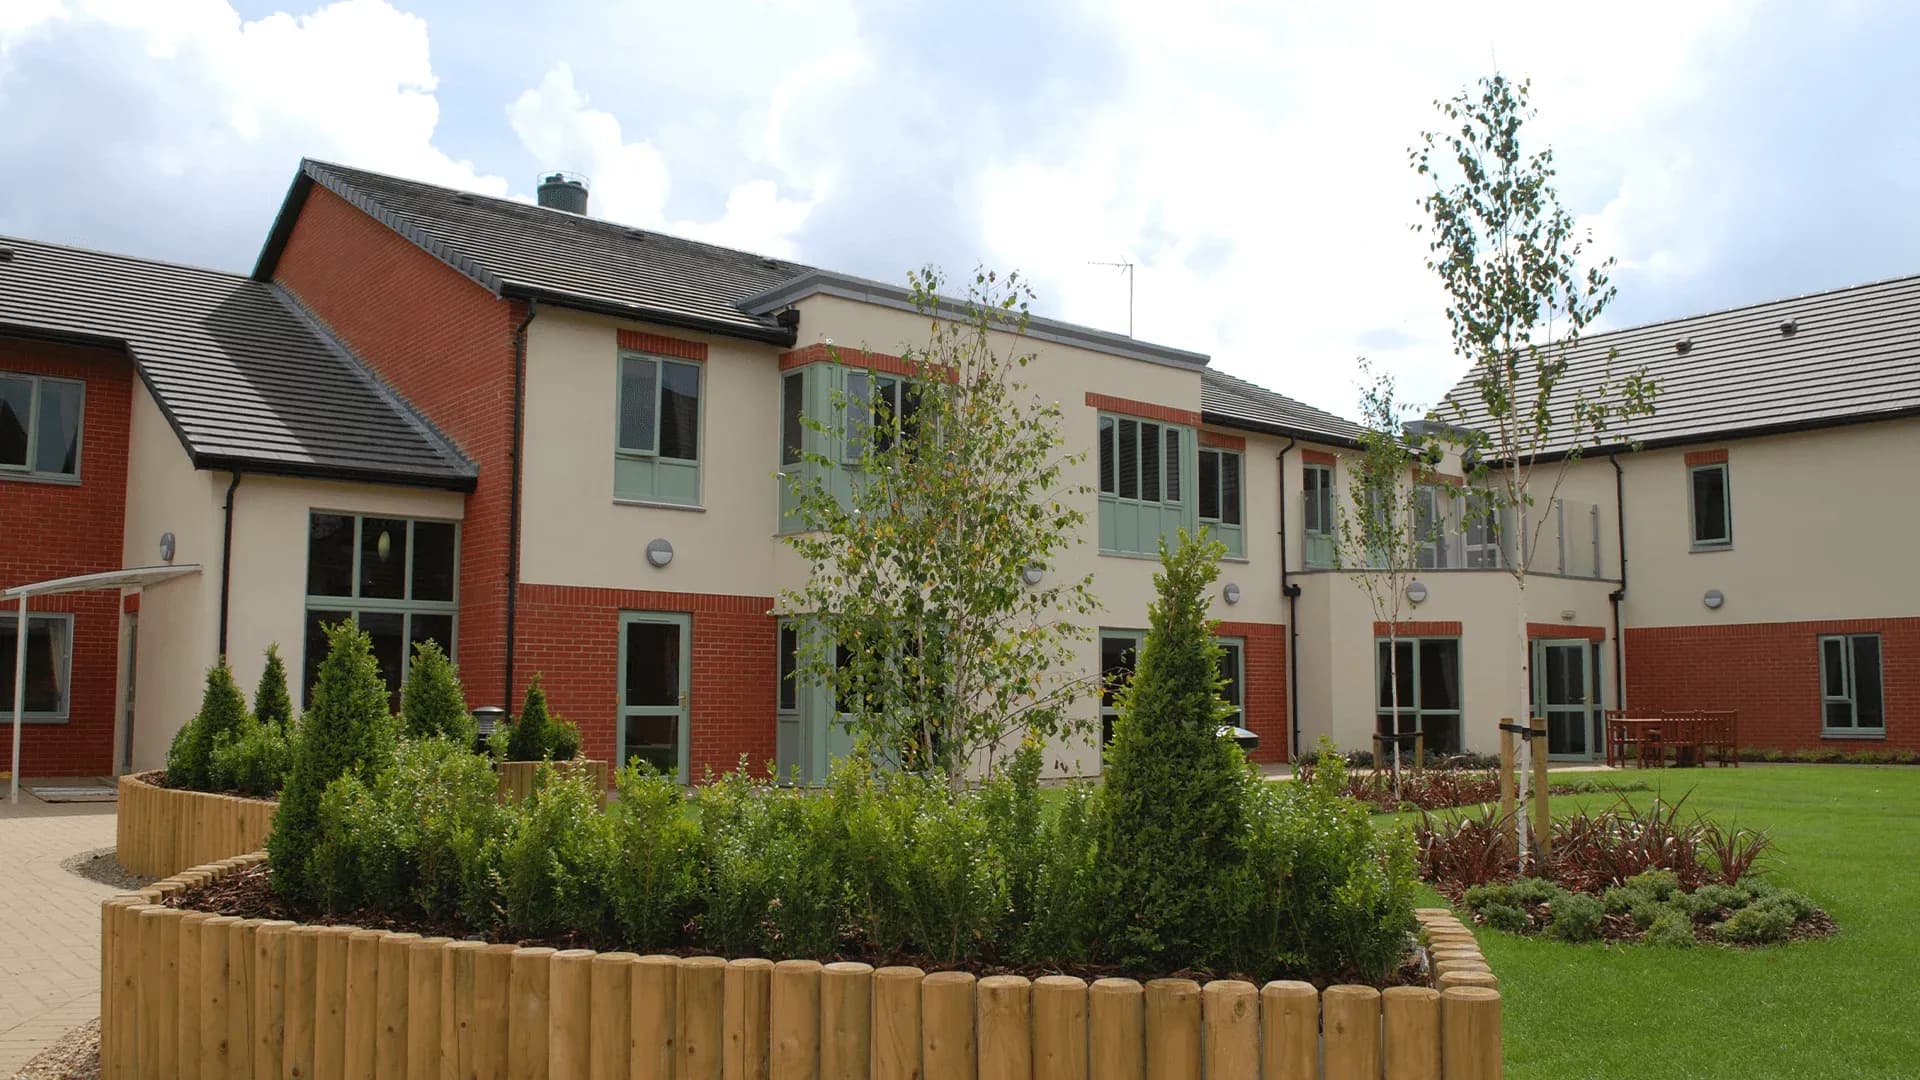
(862, 290)
(770, 335)
(296, 471)
(1263, 427)
(1751, 431)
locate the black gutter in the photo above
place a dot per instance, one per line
(226, 564)
(1619, 594)
(268, 467)
(517, 450)
(1292, 593)
(1263, 427)
(772, 335)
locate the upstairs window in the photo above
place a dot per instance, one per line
(40, 426)
(1712, 506)
(1220, 509)
(880, 412)
(1143, 484)
(793, 408)
(1432, 512)
(657, 455)
(1852, 700)
(1317, 487)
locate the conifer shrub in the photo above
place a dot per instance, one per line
(656, 873)
(536, 734)
(1175, 799)
(253, 759)
(346, 731)
(222, 712)
(271, 702)
(432, 701)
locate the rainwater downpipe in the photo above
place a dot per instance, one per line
(1619, 594)
(1292, 594)
(516, 453)
(226, 564)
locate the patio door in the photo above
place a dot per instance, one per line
(1563, 692)
(654, 669)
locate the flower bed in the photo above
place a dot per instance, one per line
(160, 831)
(187, 991)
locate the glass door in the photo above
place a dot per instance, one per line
(1563, 692)
(653, 691)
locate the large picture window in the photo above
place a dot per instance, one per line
(657, 451)
(1852, 699)
(1143, 483)
(40, 426)
(394, 577)
(49, 665)
(1428, 671)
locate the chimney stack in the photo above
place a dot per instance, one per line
(564, 191)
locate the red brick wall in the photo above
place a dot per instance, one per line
(446, 345)
(1146, 410)
(58, 530)
(571, 635)
(1771, 673)
(1265, 691)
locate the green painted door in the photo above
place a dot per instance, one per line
(1563, 692)
(654, 670)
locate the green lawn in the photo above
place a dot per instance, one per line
(1849, 1006)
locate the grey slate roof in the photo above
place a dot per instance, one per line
(247, 379)
(1853, 356)
(521, 250)
(1232, 402)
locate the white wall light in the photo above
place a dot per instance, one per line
(659, 552)
(1033, 573)
(1417, 592)
(1714, 599)
(166, 547)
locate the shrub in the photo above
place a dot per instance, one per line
(1175, 791)
(271, 702)
(431, 700)
(1576, 917)
(772, 886)
(1672, 929)
(252, 759)
(1063, 915)
(655, 877)
(536, 735)
(346, 731)
(556, 859)
(1760, 923)
(1505, 917)
(222, 710)
(1709, 900)
(1659, 885)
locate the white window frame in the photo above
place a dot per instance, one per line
(1726, 504)
(1848, 693)
(64, 712)
(27, 470)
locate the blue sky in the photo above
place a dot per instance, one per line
(1249, 158)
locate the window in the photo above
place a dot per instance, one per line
(1317, 484)
(1119, 651)
(1481, 535)
(1220, 509)
(1851, 697)
(1712, 506)
(1428, 671)
(1143, 484)
(1431, 511)
(887, 414)
(1233, 670)
(789, 696)
(40, 426)
(793, 407)
(49, 663)
(657, 451)
(394, 577)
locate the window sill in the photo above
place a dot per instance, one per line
(1707, 549)
(1140, 555)
(1855, 736)
(6, 719)
(652, 504)
(36, 478)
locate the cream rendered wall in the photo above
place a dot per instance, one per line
(177, 618)
(1824, 527)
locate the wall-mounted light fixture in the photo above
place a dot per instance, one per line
(1417, 592)
(659, 552)
(1714, 599)
(1567, 614)
(1033, 573)
(166, 547)
(1231, 594)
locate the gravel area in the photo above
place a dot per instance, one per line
(103, 865)
(75, 1057)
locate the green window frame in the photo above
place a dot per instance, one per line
(1317, 521)
(1146, 469)
(1233, 673)
(42, 423)
(1222, 497)
(1853, 701)
(49, 665)
(831, 396)
(1119, 655)
(1430, 670)
(658, 403)
(652, 698)
(397, 578)
(1710, 506)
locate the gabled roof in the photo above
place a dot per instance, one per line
(519, 250)
(1236, 403)
(247, 379)
(1852, 355)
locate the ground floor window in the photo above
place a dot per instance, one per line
(1119, 652)
(1852, 701)
(393, 577)
(1428, 673)
(1233, 670)
(49, 664)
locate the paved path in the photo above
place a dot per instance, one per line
(49, 923)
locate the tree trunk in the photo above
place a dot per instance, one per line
(1524, 714)
(1393, 679)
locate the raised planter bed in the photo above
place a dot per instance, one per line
(189, 993)
(517, 777)
(160, 831)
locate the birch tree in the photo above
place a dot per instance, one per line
(1522, 288)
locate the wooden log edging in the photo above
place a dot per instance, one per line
(186, 993)
(160, 831)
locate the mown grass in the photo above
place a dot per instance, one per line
(1848, 1006)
